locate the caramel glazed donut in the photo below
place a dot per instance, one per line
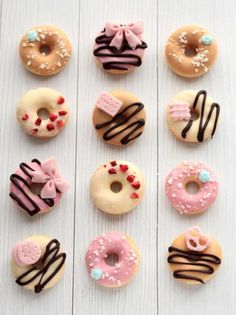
(181, 122)
(190, 51)
(45, 50)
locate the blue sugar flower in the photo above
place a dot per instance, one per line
(204, 176)
(96, 273)
(206, 39)
(32, 36)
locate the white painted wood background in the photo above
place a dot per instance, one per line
(76, 221)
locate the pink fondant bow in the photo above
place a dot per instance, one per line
(131, 32)
(49, 175)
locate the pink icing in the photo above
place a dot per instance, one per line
(26, 253)
(179, 111)
(108, 103)
(131, 32)
(44, 207)
(183, 201)
(195, 240)
(123, 270)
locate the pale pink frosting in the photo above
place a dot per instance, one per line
(123, 270)
(26, 253)
(196, 240)
(179, 111)
(183, 201)
(108, 103)
(41, 204)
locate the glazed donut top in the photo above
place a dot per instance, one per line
(120, 47)
(45, 50)
(38, 262)
(128, 258)
(180, 120)
(39, 99)
(191, 51)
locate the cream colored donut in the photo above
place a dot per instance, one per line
(38, 262)
(131, 182)
(191, 51)
(194, 257)
(193, 103)
(45, 50)
(28, 112)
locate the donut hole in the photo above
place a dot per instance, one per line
(192, 187)
(194, 114)
(36, 188)
(45, 49)
(111, 259)
(43, 113)
(116, 187)
(190, 50)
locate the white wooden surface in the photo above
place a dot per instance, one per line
(76, 221)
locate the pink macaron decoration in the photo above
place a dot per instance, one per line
(179, 110)
(26, 253)
(196, 240)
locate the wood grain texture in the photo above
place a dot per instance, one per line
(218, 296)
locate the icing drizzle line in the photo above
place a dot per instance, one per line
(50, 257)
(114, 53)
(194, 258)
(203, 125)
(108, 135)
(16, 179)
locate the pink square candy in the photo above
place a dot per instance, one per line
(108, 103)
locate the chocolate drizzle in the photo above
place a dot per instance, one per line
(20, 182)
(49, 258)
(122, 119)
(201, 260)
(203, 124)
(105, 41)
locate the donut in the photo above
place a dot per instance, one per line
(180, 177)
(45, 50)
(117, 187)
(192, 116)
(38, 262)
(191, 51)
(194, 257)
(119, 48)
(42, 112)
(118, 117)
(126, 259)
(37, 187)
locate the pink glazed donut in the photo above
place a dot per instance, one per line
(191, 172)
(48, 180)
(123, 270)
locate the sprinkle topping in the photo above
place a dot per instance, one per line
(204, 176)
(206, 39)
(32, 36)
(96, 273)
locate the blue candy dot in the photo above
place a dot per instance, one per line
(206, 39)
(96, 273)
(32, 36)
(204, 176)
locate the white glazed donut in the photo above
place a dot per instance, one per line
(124, 174)
(48, 100)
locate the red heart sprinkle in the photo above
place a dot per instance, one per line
(34, 131)
(136, 185)
(60, 100)
(112, 171)
(130, 178)
(53, 117)
(38, 121)
(113, 163)
(124, 167)
(60, 123)
(134, 195)
(50, 127)
(62, 112)
(25, 117)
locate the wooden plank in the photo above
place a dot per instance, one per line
(139, 297)
(16, 147)
(216, 297)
